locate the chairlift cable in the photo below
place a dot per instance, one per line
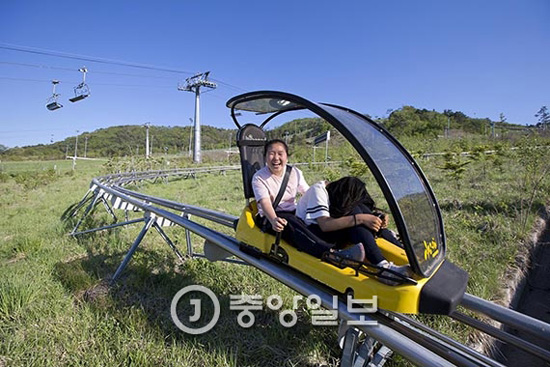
(36, 66)
(89, 58)
(26, 80)
(94, 71)
(102, 84)
(99, 84)
(227, 84)
(104, 61)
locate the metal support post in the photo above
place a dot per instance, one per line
(88, 209)
(109, 226)
(193, 84)
(188, 237)
(326, 152)
(197, 145)
(351, 340)
(81, 203)
(168, 241)
(109, 209)
(149, 222)
(147, 146)
(76, 145)
(361, 350)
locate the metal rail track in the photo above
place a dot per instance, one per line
(415, 341)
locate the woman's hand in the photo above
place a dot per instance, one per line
(384, 217)
(278, 224)
(370, 221)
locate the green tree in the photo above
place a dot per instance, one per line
(543, 117)
(454, 167)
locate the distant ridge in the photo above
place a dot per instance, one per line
(129, 140)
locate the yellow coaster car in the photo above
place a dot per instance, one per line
(436, 287)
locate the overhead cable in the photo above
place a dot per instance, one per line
(39, 51)
(94, 71)
(89, 58)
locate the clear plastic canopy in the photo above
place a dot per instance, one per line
(407, 191)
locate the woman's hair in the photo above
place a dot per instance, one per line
(345, 193)
(275, 141)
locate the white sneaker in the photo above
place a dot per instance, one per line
(404, 270)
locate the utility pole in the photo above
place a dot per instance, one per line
(194, 84)
(147, 139)
(76, 144)
(321, 138)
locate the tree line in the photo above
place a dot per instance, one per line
(129, 140)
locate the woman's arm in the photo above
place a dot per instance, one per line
(278, 224)
(329, 224)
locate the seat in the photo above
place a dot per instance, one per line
(52, 103)
(78, 98)
(53, 106)
(81, 91)
(251, 141)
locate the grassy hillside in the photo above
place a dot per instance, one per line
(56, 310)
(121, 141)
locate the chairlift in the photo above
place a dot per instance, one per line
(82, 90)
(52, 101)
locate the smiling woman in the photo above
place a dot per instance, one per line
(270, 180)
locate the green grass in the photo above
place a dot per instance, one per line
(55, 307)
(60, 166)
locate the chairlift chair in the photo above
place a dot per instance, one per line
(52, 101)
(82, 90)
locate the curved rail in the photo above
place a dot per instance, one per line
(408, 337)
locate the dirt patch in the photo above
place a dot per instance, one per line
(532, 298)
(96, 295)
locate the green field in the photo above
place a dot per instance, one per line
(55, 308)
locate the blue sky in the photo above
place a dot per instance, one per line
(479, 57)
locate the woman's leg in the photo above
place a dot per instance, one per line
(362, 234)
(357, 234)
(298, 235)
(365, 236)
(388, 236)
(384, 232)
(356, 252)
